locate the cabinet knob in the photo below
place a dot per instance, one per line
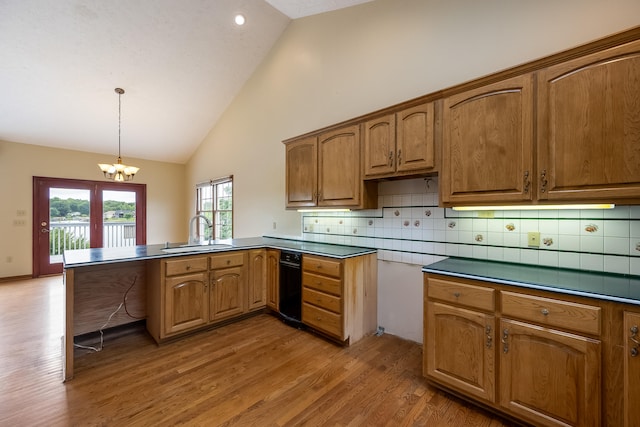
(503, 340)
(544, 312)
(318, 318)
(526, 182)
(228, 261)
(634, 335)
(188, 267)
(456, 294)
(543, 181)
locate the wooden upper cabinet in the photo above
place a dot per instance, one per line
(487, 154)
(325, 171)
(379, 146)
(339, 180)
(589, 127)
(415, 139)
(302, 173)
(400, 143)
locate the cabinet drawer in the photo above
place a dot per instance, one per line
(322, 319)
(322, 300)
(185, 265)
(458, 293)
(321, 283)
(229, 259)
(326, 266)
(551, 312)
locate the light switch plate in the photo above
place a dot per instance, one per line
(533, 238)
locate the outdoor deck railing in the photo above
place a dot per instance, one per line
(75, 235)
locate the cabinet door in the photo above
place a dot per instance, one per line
(379, 146)
(186, 302)
(589, 127)
(273, 279)
(459, 349)
(415, 146)
(227, 293)
(339, 179)
(302, 173)
(631, 369)
(487, 144)
(257, 279)
(548, 377)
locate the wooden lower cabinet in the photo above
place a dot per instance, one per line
(273, 279)
(257, 287)
(535, 356)
(339, 296)
(226, 294)
(193, 291)
(471, 368)
(631, 376)
(186, 303)
(549, 377)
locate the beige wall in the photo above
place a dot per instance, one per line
(165, 182)
(336, 66)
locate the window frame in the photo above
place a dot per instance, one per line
(213, 186)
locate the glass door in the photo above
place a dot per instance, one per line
(75, 214)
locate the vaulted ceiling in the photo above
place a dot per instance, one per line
(180, 63)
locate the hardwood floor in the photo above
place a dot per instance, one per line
(257, 372)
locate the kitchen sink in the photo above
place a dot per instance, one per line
(196, 248)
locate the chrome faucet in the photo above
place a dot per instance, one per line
(193, 239)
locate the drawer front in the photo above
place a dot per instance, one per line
(322, 283)
(327, 266)
(185, 265)
(551, 312)
(229, 259)
(322, 300)
(462, 294)
(322, 319)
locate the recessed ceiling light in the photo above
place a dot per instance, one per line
(239, 19)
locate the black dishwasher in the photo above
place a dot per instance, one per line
(291, 288)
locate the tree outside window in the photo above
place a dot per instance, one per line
(214, 200)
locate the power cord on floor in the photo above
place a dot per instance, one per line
(122, 304)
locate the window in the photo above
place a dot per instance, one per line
(214, 200)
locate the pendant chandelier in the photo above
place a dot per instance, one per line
(118, 171)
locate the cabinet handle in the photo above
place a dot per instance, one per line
(390, 158)
(228, 261)
(505, 344)
(318, 318)
(527, 182)
(188, 267)
(544, 312)
(543, 181)
(456, 294)
(399, 157)
(489, 336)
(634, 335)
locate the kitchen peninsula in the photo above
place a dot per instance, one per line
(171, 287)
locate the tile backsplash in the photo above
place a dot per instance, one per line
(409, 227)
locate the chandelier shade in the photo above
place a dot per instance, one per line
(118, 171)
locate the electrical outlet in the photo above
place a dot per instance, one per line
(533, 238)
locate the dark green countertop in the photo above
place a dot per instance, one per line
(613, 287)
(96, 256)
